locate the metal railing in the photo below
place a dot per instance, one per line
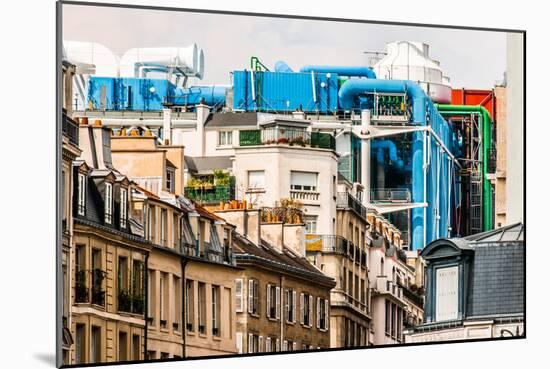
(95, 293)
(210, 194)
(390, 195)
(287, 136)
(131, 302)
(281, 214)
(417, 299)
(70, 128)
(346, 201)
(383, 285)
(327, 243)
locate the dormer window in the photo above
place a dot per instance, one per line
(81, 206)
(108, 203)
(123, 207)
(170, 177)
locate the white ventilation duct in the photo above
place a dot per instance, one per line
(179, 61)
(407, 60)
(91, 58)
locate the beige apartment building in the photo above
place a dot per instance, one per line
(343, 256)
(282, 301)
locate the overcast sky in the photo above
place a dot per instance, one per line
(472, 59)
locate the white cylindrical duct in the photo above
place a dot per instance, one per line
(91, 58)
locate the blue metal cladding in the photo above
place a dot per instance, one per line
(213, 95)
(281, 91)
(129, 93)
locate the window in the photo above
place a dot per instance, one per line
(189, 304)
(290, 306)
(108, 203)
(81, 205)
(123, 207)
(225, 138)
(393, 320)
(163, 226)
(303, 181)
(170, 180)
(151, 355)
(202, 308)
(239, 295)
(239, 339)
(388, 317)
(149, 222)
(311, 223)
(122, 346)
(253, 343)
(322, 313)
(256, 179)
(98, 294)
(253, 297)
(164, 355)
(95, 349)
(80, 344)
(273, 304)
(216, 311)
(177, 304)
(306, 309)
(289, 345)
(136, 347)
(175, 230)
(446, 294)
(163, 297)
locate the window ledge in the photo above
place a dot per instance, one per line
(255, 190)
(202, 335)
(272, 319)
(289, 322)
(216, 338)
(254, 315)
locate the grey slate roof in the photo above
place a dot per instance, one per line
(232, 119)
(206, 164)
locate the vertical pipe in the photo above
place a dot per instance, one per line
(365, 156)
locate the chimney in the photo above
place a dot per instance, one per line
(167, 124)
(247, 222)
(95, 142)
(203, 111)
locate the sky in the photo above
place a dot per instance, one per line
(472, 59)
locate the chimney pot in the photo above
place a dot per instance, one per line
(84, 121)
(148, 133)
(97, 123)
(166, 141)
(134, 132)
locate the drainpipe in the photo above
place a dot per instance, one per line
(184, 261)
(281, 303)
(146, 302)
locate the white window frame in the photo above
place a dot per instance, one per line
(170, 179)
(108, 203)
(311, 223)
(303, 184)
(225, 138)
(239, 343)
(259, 185)
(446, 284)
(81, 194)
(239, 295)
(123, 207)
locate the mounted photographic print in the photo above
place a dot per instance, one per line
(238, 184)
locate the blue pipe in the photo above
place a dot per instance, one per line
(340, 70)
(380, 146)
(281, 66)
(213, 95)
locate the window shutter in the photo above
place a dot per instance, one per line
(294, 346)
(268, 344)
(260, 344)
(239, 338)
(239, 295)
(326, 314)
(310, 310)
(302, 312)
(268, 299)
(277, 345)
(278, 302)
(318, 315)
(256, 297)
(287, 304)
(250, 295)
(294, 306)
(285, 345)
(250, 343)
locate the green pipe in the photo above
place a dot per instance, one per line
(447, 109)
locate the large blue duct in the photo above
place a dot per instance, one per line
(212, 95)
(340, 70)
(438, 176)
(281, 66)
(380, 146)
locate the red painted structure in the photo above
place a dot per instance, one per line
(485, 98)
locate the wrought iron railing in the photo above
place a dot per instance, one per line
(345, 200)
(281, 214)
(287, 136)
(131, 302)
(390, 195)
(327, 243)
(70, 128)
(95, 293)
(416, 298)
(210, 194)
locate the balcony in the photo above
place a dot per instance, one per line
(282, 215)
(304, 195)
(131, 302)
(287, 137)
(345, 200)
(327, 243)
(386, 286)
(95, 293)
(70, 129)
(210, 194)
(413, 296)
(390, 195)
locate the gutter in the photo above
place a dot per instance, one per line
(183, 315)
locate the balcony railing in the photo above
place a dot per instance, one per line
(70, 128)
(390, 195)
(95, 293)
(417, 299)
(280, 214)
(327, 243)
(385, 286)
(210, 195)
(345, 200)
(304, 195)
(131, 302)
(287, 136)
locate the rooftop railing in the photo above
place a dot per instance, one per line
(347, 201)
(210, 194)
(287, 136)
(283, 215)
(390, 195)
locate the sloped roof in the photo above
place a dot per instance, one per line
(207, 163)
(232, 119)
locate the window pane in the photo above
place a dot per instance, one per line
(256, 179)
